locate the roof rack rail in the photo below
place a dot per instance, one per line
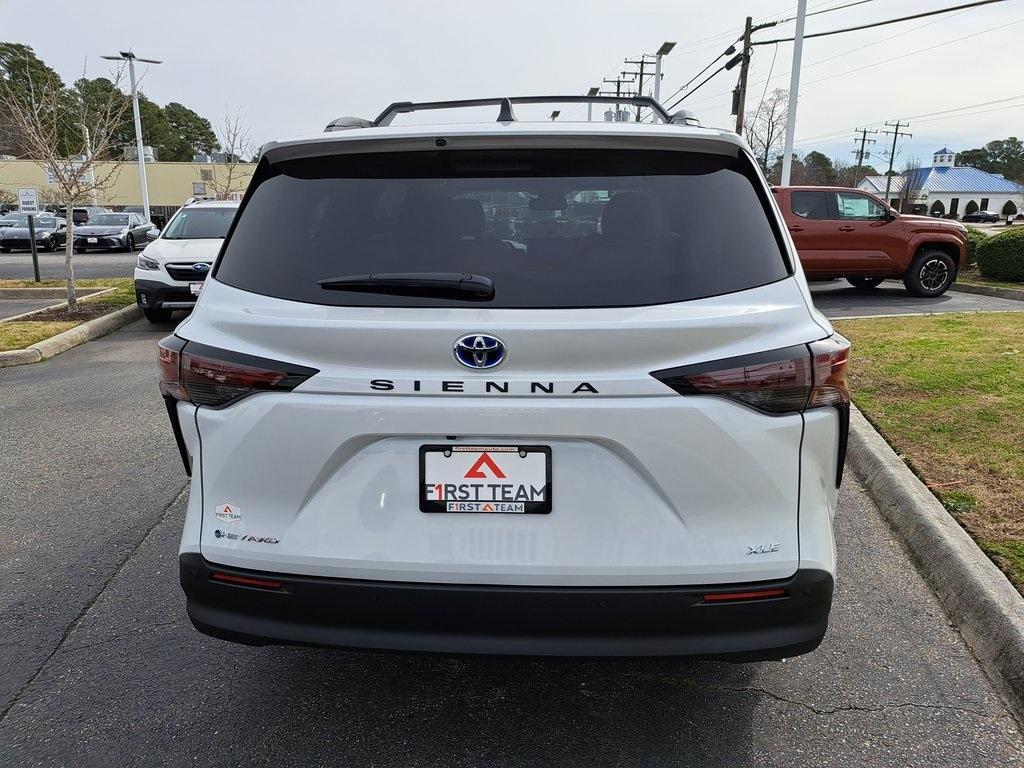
(505, 104)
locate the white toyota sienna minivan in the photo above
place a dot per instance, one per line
(510, 387)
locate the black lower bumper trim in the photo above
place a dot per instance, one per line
(151, 294)
(509, 620)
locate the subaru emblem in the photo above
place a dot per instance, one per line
(201, 267)
(478, 350)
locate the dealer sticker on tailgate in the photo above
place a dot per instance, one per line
(512, 479)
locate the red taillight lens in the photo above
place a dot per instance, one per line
(206, 375)
(757, 594)
(830, 358)
(787, 380)
(246, 581)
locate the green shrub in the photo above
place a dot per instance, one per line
(1002, 257)
(974, 237)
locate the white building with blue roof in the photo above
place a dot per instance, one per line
(948, 190)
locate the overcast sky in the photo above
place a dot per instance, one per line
(292, 66)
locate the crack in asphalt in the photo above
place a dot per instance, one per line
(73, 625)
(851, 707)
(131, 633)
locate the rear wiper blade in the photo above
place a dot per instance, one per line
(456, 285)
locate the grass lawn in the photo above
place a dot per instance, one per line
(19, 334)
(947, 391)
(972, 275)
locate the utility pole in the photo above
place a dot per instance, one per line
(861, 153)
(896, 133)
(794, 91)
(642, 63)
(741, 88)
(619, 82)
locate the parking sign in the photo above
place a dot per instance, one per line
(28, 200)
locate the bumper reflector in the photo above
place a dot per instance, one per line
(760, 594)
(245, 581)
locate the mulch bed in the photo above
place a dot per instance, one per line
(87, 310)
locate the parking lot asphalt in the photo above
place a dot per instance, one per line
(18, 266)
(838, 299)
(99, 665)
(16, 307)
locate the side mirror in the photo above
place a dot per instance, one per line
(152, 234)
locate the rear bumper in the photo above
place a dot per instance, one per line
(507, 620)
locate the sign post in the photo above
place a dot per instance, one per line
(28, 202)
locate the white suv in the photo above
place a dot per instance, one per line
(514, 388)
(170, 272)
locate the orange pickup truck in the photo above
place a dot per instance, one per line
(848, 233)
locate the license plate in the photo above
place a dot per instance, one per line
(91, 240)
(511, 479)
(195, 288)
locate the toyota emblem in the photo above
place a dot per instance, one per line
(479, 351)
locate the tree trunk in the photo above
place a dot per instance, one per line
(69, 264)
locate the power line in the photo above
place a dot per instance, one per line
(975, 4)
(846, 53)
(924, 115)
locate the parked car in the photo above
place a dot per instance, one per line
(51, 233)
(849, 233)
(981, 216)
(8, 219)
(159, 220)
(170, 272)
(82, 215)
(112, 231)
(413, 436)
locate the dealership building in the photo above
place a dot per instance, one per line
(948, 190)
(169, 184)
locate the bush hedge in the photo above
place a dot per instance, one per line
(974, 238)
(1001, 257)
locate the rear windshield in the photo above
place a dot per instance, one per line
(550, 228)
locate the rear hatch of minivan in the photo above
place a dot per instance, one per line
(604, 345)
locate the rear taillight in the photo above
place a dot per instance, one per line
(206, 375)
(788, 380)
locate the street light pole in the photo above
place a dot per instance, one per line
(131, 58)
(664, 51)
(590, 105)
(794, 91)
(88, 159)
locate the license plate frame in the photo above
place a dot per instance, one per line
(435, 506)
(92, 240)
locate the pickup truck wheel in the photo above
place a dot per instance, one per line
(865, 283)
(930, 275)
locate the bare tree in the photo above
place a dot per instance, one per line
(236, 143)
(766, 128)
(44, 115)
(912, 184)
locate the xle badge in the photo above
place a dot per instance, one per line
(762, 549)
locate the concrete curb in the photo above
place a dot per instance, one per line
(32, 293)
(72, 337)
(984, 605)
(989, 290)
